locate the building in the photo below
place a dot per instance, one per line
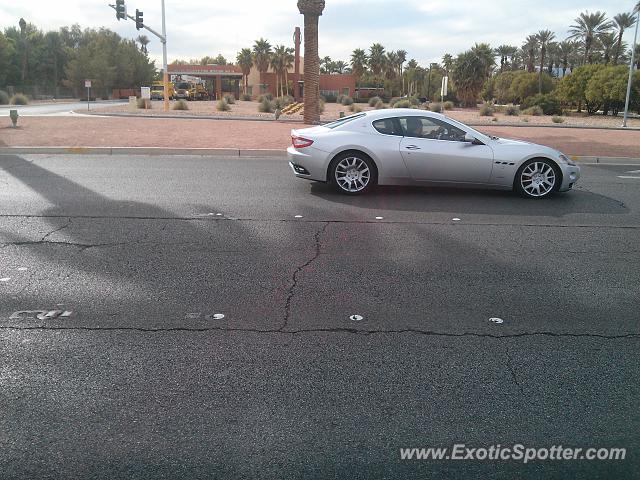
(228, 79)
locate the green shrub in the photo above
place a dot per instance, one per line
(486, 110)
(379, 105)
(534, 111)
(144, 103)
(181, 105)
(4, 97)
(511, 110)
(393, 102)
(245, 97)
(339, 98)
(282, 102)
(223, 105)
(19, 99)
(436, 107)
(557, 119)
(373, 101)
(347, 100)
(448, 105)
(402, 104)
(266, 106)
(267, 96)
(355, 108)
(549, 103)
(230, 99)
(329, 98)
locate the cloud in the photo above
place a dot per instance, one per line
(425, 28)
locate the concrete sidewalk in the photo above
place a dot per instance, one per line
(120, 132)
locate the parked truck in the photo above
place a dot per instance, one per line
(190, 90)
(157, 91)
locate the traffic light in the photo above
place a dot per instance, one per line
(121, 11)
(139, 22)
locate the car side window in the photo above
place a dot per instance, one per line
(431, 129)
(387, 126)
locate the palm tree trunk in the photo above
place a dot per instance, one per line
(542, 53)
(618, 47)
(311, 70)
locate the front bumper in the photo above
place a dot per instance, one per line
(570, 176)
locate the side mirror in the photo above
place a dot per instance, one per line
(472, 140)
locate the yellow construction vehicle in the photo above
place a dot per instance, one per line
(157, 91)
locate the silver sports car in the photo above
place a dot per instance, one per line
(416, 147)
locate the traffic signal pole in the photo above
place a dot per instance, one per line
(163, 39)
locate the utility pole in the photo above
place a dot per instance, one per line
(633, 61)
(121, 12)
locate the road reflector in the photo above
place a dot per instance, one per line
(496, 320)
(356, 318)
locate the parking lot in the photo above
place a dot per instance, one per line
(201, 314)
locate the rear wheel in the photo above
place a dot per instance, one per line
(537, 178)
(352, 173)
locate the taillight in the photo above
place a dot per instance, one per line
(299, 142)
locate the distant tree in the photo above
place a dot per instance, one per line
(544, 37)
(244, 60)
(607, 89)
(262, 57)
(529, 50)
(622, 21)
(359, 63)
(572, 88)
(470, 72)
(377, 57)
(587, 27)
(6, 54)
(143, 40)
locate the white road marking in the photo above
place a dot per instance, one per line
(298, 216)
(356, 318)
(456, 219)
(628, 176)
(5, 279)
(633, 171)
(22, 269)
(496, 320)
(379, 218)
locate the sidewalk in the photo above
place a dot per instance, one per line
(96, 131)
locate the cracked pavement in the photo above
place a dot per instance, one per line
(138, 383)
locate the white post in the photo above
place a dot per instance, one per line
(165, 75)
(633, 61)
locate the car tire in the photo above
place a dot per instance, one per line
(352, 173)
(537, 178)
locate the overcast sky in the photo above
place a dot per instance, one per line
(425, 28)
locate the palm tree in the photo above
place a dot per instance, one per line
(565, 51)
(544, 37)
(622, 21)
(340, 67)
(143, 40)
(588, 26)
(376, 58)
(262, 57)
(311, 9)
(529, 52)
(245, 62)
(503, 52)
(402, 57)
(447, 62)
(359, 63)
(325, 65)
(391, 65)
(608, 42)
(279, 66)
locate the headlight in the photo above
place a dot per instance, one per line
(566, 160)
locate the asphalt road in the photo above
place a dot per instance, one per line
(55, 109)
(140, 380)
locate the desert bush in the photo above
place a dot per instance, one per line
(245, 97)
(534, 111)
(266, 106)
(267, 96)
(181, 105)
(379, 105)
(373, 101)
(557, 119)
(230, 99)
(549, 103)
(448, 105)
(19, 99)
(347, 100)
(223, 106)
(282, 102)
(402, 104)
(355, 108)
(436, 107)
(339, 98)
(4, 97)
(511, 110)
(486, 110)
(144, 103)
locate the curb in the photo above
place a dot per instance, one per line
(232, 152)
(191, 117)
(208, 152)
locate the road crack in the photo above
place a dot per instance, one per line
(57, 230)
(294, 278)
(512, 371)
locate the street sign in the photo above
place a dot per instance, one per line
(87, 84)
(145, 92)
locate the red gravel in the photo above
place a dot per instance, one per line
(177, 133)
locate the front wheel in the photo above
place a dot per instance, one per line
(537, 178)
(352, 173)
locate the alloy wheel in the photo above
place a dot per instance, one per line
(352, 174)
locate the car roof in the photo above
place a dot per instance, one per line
(401, 112)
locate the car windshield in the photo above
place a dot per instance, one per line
(343, 121)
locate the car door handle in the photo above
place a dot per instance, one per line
(412, 147)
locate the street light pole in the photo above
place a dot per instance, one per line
(165, 75)
(633, 61)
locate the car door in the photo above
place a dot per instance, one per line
(434, 150)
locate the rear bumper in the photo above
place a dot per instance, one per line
(310, 164)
